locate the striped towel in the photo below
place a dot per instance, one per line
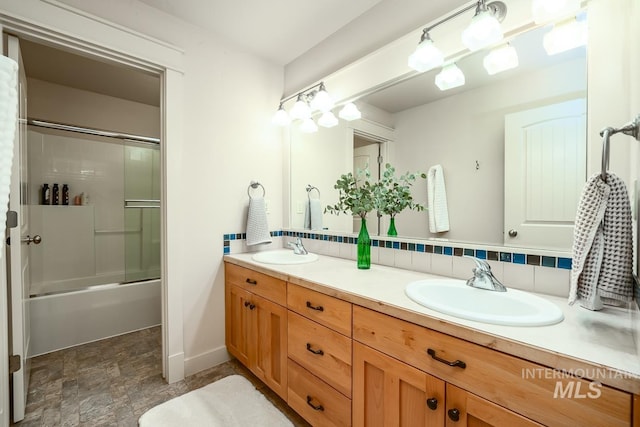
(437, 200)
(602, 266)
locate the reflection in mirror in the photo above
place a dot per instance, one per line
(463, 130)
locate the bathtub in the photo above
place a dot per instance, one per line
(68, 319)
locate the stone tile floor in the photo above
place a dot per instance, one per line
(113, 382)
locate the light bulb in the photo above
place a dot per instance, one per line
(300, 109)
(501, 59)
(328, 120)
(322, 100)
(308, 126)
(350, 112)
(281, 117)
(549, 10)
(483, 31)
(565, 36)
(451, 76)
(426, 56)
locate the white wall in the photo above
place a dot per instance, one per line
(227, 140)
(459, 130)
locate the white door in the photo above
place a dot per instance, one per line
(365, 155)
(18, 253)
(545, 171)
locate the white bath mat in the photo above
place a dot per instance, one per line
(230, 402)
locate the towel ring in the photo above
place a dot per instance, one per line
(310, 188)
(631, 129)
(254, 185)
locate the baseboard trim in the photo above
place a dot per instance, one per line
(206, 360)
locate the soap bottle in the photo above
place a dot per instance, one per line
(65, 194)
(55, 195)
(46, 195)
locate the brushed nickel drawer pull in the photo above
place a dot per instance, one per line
(315, 307)
(251, 281)
(315, 407)
(318, 352)
(458, 363)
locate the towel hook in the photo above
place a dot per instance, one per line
(254, 185)
(310, 188)
(632, 129)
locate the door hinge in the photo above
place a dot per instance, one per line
(14, 363)
(12, 219)
(379, 160)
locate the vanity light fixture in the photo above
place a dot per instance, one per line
(350, 112)
(281, 118)
(550, 10)
(328, 120)
(501, 59)
(451, 76)
(308, 126)
(426, 56)
(565, 35)
(484, 29)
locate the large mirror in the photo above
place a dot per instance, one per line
(513, 140)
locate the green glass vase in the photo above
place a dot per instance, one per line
(364, 246)
(392, 228)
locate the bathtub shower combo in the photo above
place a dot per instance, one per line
(96, 272)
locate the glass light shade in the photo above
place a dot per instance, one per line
(501, 59)
(483, 31)
(451, 76)
(322, 101)
(426, 56)
(565, 36)
(281, 117)
(308, 126)
(350, 112)
(300, 110)
(328, 120)
(550, 10)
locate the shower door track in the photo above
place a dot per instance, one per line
(97, 132)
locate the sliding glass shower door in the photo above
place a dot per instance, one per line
(142, 211)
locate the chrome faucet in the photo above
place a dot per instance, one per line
(298, 247)
(483, 278)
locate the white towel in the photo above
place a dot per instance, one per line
(602, 259)
(313, 215)
(437, 200)
(257, 227)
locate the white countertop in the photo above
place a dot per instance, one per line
(599, 345)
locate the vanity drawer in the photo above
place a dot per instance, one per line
(258, 283)
(324, 309)
(519, 385)
(324, 352)
(315, 401)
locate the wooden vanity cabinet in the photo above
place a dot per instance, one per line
(256, 327)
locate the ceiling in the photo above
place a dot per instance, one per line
(278, 30)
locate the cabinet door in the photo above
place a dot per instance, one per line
(388, 393)
(467, 409)
(268, 357)
(238, 325)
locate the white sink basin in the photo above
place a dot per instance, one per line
(511, 308)
(283, 256)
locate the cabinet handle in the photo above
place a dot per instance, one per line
(454, 414)
(315, 407)
(246, 303)
(251, 281)
(252, 306)
(432, 403)
(318, 352)
(458, 363)
(315, 307)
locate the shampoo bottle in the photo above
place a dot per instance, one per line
(55, 195)
(46, 195)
